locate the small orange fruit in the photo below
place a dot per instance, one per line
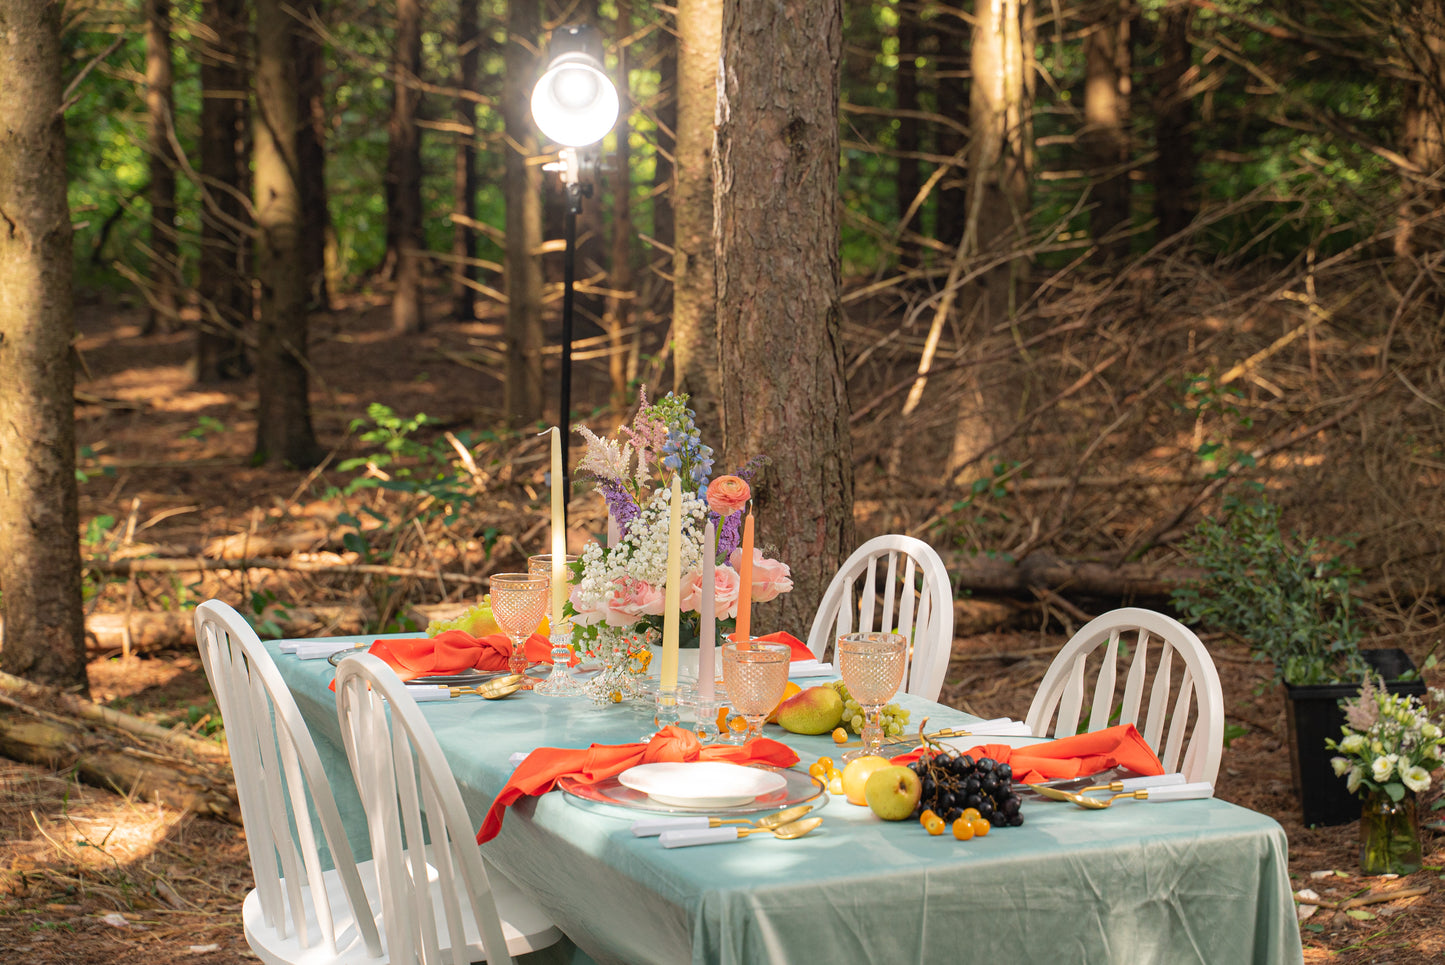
(980, 827)
(962, 830)
(935, 826)
(817, 770)
(840, 736)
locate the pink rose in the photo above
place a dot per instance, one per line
(628, 600)
(726, 586)
(771, 578)
(727, 494)
(586, 616)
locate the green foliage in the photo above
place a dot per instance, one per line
(1290, 604)
(88, 465)
(1213, 407)
(984, 508)
(266, 609)
(205, 426)
(412, 484)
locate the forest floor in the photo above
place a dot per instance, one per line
(92, 876)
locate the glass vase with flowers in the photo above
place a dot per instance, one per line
(618, 590)
(1389, 746)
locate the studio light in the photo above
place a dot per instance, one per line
(574, 105)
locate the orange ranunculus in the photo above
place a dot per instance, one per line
(727, 494)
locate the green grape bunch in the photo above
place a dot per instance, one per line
(894, 719)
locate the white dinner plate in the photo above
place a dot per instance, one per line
(701, 784)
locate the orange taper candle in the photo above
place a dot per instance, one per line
(743, 632)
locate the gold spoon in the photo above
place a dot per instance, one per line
(793, 829)
(765, 823)
(493, 689)
(1084, 801)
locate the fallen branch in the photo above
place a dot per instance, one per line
(199, 564)
(104, 755)
(1372, 898)
(33, 693)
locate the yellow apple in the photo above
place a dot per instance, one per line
(892, 792)
(855, 776)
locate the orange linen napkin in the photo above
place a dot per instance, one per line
(454, 651)
(1069, 757)
(799, 648)
(538, 773)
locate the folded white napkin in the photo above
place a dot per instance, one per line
(998, 727)
(313, 649)
(809, 668)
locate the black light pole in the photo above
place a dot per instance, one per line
(575, 105)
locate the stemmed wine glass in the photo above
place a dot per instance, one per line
(519, 602)
(560, 682)
(756, 675)
(871, 665)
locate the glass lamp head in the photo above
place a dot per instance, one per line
(575, 103)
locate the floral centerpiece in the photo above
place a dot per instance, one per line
(616, 604)
(1390, 745)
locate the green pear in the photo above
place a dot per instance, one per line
(892, 792)
(816, 710)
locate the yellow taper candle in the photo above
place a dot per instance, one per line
(672, 598)
(559, 532)
(743, 633)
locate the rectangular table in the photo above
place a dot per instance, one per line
(1190, 881)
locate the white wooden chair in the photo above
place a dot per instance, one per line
(297, 913)
(438, 903)
(917, 601)
(1158, 645)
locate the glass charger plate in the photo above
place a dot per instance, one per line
(798, 789)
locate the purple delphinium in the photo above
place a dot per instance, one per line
(620, 504)
(730, 535)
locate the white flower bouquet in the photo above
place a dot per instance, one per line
(618, 590)
(1391, 742)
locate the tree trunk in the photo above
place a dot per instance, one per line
(43, 639)
(311, 154)
(283, 413)
(694, 297)
(909, 143)
(223, 282)
(615, 316)
(1423, 142)
(524, 219)
(951, 96)
(1174, 201)
(778, 315)
(998, 154)
(465, 273)
(1105, 138)
(662, 166)
(404, 170)
(160, 111)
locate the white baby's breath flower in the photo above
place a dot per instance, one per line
(1382, 769)
(1416, 778)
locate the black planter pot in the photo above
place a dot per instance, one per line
(1313, 713)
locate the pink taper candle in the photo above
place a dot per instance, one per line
(743, 633)
(707, 616)
(672, 595)
(559, 532)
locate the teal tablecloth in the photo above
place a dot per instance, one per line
(1189, 881)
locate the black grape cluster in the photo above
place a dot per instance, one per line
(953, 782)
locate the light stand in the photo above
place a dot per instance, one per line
(575, 104)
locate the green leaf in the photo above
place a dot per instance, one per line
(1359, 914)
(1396, 790)
(1314, 926)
